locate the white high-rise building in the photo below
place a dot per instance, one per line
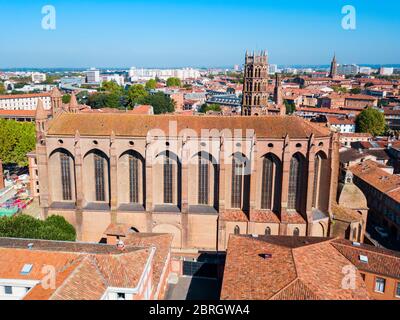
(348, 69)
(164, 74)
(383, 71)
(365, 70)
(118, 79)
(38, 77)
(272, 68)
(93, 76)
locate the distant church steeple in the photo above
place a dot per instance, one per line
(333, 71)
(278, 99)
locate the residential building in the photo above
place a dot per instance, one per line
(365, 70)
(272, 68)
(134, 269)
(25, 102)
(118, 79)
(392, 117)
(269, 267)
(346, 139)
(382, 190)
(38, 77)
(163, 74)
(383, 71)
(348, 69)
(342, 124)
(93, 76)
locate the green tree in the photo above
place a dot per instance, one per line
(24, 226)
(211, 107)
(135, 94)
(339, 89)
(355, 91)
(111, 87)
(16, 140)
(161, 102)
(82, 97)
(66, 98)
(173, 82)
(113, 100)
(97, 100)
(290, 107)
(371, 121)
(2, 88)
(151, 84)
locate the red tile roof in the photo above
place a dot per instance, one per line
(18, 113)
(25, 95)
(83, 271)
(370, 172)
(280, 267)
(139, 125)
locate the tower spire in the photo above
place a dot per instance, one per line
(73, 104)
(333, 70)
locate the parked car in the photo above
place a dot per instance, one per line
(382, 232)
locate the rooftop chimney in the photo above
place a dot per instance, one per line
(120, 245)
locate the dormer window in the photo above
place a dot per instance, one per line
(121, 296)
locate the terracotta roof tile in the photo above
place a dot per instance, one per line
(289, 268)
(139, 125)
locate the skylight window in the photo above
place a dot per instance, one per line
(265, 256)
(26, 269)
(363, 258)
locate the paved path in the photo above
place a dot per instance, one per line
(189, 288)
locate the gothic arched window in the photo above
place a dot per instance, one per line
(297, 180)
(267, 183)
(267, 231)
(203, 179)
(168, 178)
(65, 176)
(296, 232)
(133, 179)
(319, 173)
(237, 182)
(99, 162)
(237, 230)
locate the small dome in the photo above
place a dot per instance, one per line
(350, 196)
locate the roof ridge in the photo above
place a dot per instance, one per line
(64, 283)
(94, 262)
(285, 287)
(291, 283)
(323, 240)
(366, 249)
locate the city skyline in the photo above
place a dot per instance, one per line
(205, 34)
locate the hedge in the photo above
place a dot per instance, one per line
(24, 226)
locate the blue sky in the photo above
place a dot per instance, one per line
(176, 33)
